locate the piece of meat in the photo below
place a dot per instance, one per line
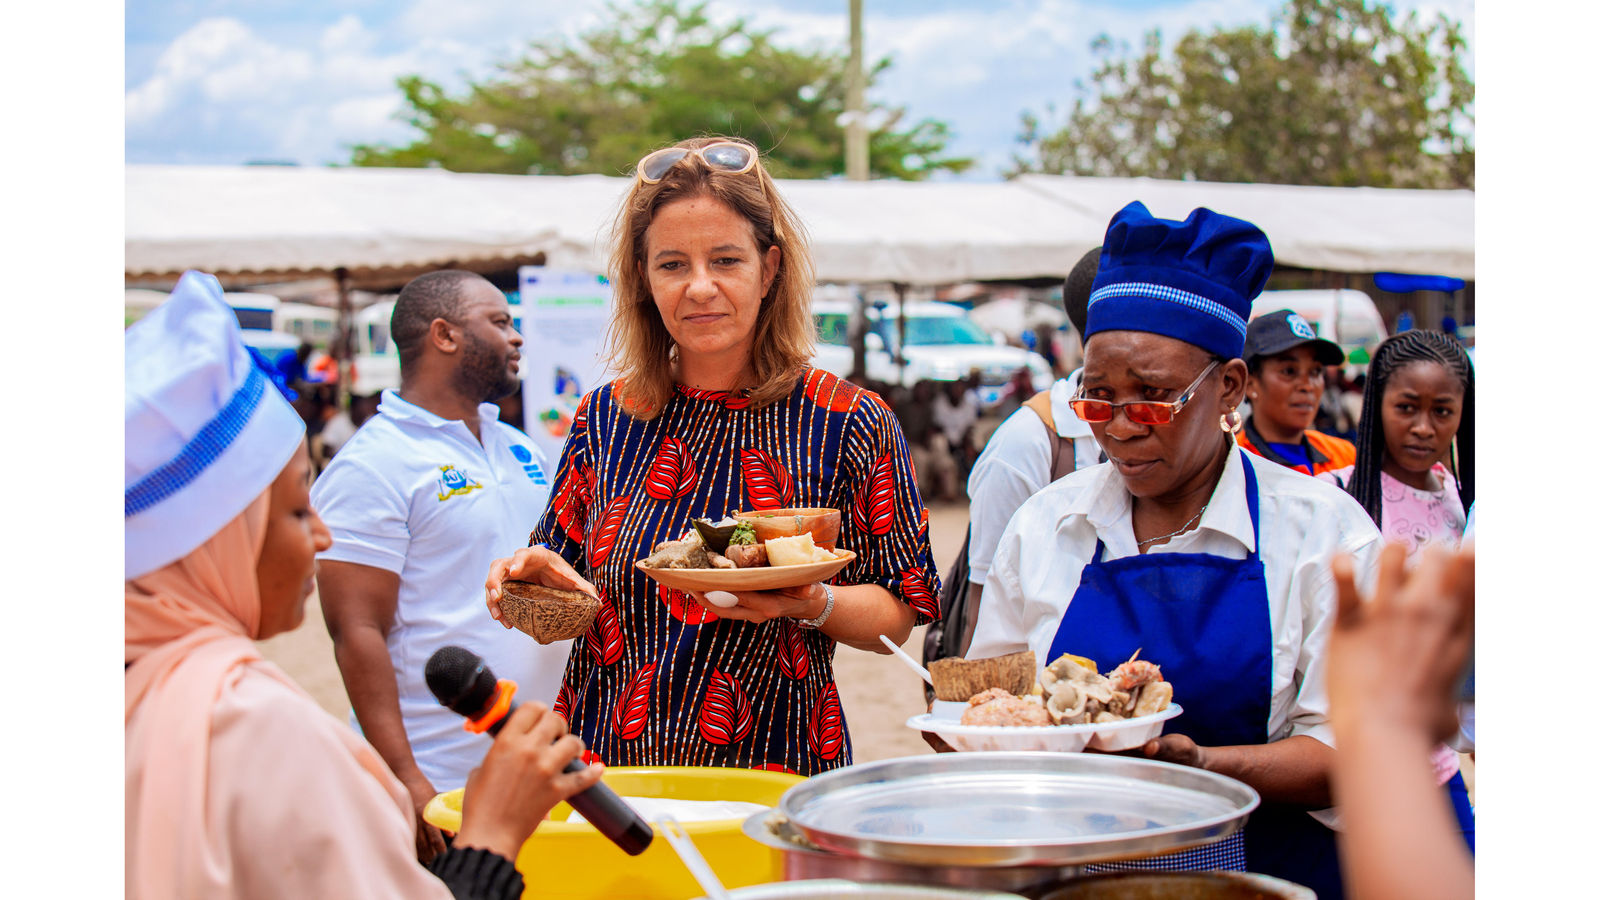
(1000, 707)
(747, 556)
(689, 553)
(1133, 673)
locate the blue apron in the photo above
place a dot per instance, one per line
(1205, 620)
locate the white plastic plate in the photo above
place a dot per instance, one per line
(1109, 736)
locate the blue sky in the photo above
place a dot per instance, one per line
(231, 81)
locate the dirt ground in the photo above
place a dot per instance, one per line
(878, 692)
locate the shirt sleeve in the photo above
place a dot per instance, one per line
(366, 516)
(1001, 627)
(566, 518)
(882, 516)
(1314, 590)
(1014, 464)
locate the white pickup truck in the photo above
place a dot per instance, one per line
(942, 344)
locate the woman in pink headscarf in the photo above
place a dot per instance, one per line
(238, 784)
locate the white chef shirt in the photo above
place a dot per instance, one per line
(1304, 523)
(1015, 464)
(418, 495)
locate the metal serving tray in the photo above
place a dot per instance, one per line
(1016, 809)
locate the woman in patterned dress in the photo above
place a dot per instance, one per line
(717, 410)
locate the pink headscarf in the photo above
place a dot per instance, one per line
(219, 742)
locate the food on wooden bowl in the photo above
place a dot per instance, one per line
(821, 522)
(962, 679)
(546, 614)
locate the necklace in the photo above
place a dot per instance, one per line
(1181, 530)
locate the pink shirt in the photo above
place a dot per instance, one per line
(1419, 518)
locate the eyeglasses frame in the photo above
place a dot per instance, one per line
(1175, 405)
(755, 157)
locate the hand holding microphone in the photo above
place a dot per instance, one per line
(531, 766)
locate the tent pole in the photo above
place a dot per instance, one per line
(343, 343)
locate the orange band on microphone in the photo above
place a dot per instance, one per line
(503, 691)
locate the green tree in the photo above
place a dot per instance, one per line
(658, 73)
(1333, 92)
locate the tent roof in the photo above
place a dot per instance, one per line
(1336, 229)
(379, 224)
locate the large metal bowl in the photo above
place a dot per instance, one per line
(1015, 809)
(800, 860)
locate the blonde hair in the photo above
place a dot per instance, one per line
(639, 347)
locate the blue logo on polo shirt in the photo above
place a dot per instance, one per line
(525, 457)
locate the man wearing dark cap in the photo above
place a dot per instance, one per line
(1285, 359)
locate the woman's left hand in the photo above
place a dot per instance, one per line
(1172, 748)
(804, 602)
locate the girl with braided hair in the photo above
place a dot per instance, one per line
(1414, 446)
(1414, 471)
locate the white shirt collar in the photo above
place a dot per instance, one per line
(396, 407)
(1108, 505)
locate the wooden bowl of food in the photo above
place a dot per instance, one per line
(546, 614)
(821, 522)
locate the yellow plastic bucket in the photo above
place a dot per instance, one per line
(573, 860)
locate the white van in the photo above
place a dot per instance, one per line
(1347, 317)
(942, 344)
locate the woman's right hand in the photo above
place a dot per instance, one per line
(540, 565)
(521, 780)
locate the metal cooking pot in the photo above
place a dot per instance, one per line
(837, 889)
(1181, 886)
(801, 860)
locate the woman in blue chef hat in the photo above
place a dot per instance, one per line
(1185, 548)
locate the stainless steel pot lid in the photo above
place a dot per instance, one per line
(1016, 809)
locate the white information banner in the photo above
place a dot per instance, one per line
(564, 319)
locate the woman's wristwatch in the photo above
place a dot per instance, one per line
(827, 610)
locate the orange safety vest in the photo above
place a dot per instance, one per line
(1327, 452)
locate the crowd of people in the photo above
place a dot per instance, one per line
(1130, 507)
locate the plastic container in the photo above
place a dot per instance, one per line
(1110, 736)
(573, 860)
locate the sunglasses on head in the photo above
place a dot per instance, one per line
(1142, 412)
(732, 157)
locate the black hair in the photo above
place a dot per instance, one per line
(436, 295)
(1394, 354)
(1075, 290)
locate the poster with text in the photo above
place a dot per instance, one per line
(564, 316)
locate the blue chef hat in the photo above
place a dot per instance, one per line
(206, 430)
(1191, 280)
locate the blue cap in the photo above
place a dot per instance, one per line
(1192, 280)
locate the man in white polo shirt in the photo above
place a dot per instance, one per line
(419, 502)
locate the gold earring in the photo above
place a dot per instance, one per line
(1232, 421)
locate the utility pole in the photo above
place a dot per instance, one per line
(855, 131)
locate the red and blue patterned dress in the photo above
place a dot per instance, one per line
(658, 680)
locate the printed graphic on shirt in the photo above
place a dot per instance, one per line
(454, 481)
(529, 465)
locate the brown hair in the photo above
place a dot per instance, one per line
(639, 346)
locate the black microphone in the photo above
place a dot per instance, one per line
(462, 682)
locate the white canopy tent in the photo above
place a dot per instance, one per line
(1334, 229)
(292, 221)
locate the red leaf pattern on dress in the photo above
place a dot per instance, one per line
(571, 506)
(831, 392)
(604, 637)
(604, 536)
(873, 511)
(590, 757)
(580, 418)
(826, 733)
(633, 707)
(914, 588)
(683, 608)
(794, 660)
(563, 707)
(673, 474)
(766, 481)
(725, 711)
